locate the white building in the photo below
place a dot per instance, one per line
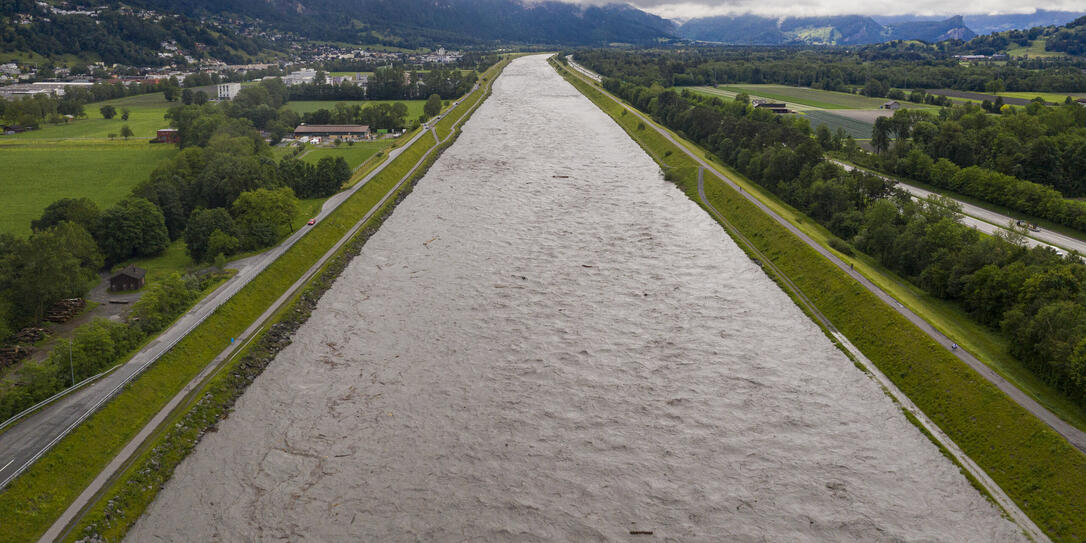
(299, 77)
(55, 88)
(227, 91)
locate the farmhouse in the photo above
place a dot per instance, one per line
(892, 104)
(341, 131)
(169, 135)
(130, 278)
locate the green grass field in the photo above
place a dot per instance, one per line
(354, 154)
(1036, 467)
(414, 107)
(37, 174)
(145, 118)
(811, 97)
(858, 129)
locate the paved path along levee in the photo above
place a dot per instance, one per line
(1073, 435)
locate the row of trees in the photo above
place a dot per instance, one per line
(376, 116)
(390, 83)
(1034, 296)
(831, 69)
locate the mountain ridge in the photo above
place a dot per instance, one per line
(829, 30)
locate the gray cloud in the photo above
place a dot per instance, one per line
(686, 9)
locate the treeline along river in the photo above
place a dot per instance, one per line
(548, 342)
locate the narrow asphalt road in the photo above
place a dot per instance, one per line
(988, 221)
(1073, 435)
(26, 440)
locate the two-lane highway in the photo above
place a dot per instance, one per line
(31, 437)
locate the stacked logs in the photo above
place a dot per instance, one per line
(64, 310)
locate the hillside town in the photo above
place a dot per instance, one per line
(18, 79)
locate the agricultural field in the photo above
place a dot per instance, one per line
(414, 107)
(857, 126)
(38, 173)
(146, 113)
(354, 154)
(1054, 97)
(816, 98)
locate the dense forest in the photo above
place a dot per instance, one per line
(1034, 296)
(838, 69)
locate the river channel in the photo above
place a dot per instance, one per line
(546, 341)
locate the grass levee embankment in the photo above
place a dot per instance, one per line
(33, 501)
(1034, 465)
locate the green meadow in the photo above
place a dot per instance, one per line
(145, 118)
(38, 173)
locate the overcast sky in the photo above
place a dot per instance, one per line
(686, 9)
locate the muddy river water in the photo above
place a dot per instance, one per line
(548, 342)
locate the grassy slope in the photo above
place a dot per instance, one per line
(1036, 49)
(37, 174)
(33, 501)
(1035, 466)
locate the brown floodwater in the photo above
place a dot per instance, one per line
(548, 342)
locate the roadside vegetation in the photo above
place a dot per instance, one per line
(1037, 468)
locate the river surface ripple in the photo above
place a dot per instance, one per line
(518, 355)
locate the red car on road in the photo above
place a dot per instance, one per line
(312, 221)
